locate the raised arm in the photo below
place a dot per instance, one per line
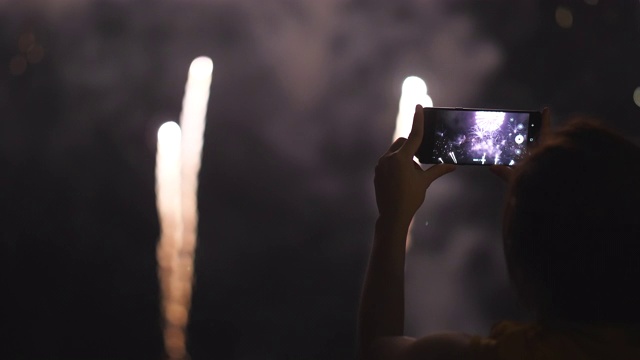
(400, 186)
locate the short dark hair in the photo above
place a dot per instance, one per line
(572, 227)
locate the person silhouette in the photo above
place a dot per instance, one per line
(571, 237)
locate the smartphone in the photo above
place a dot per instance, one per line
(478, 136)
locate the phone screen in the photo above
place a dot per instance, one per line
(477, 136)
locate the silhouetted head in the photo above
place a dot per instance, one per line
(572, 227)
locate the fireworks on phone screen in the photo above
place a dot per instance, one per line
(480, 137)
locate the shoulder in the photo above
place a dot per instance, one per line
(442, 346)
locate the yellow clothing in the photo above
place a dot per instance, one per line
(512, 340)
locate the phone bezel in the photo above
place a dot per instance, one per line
(425, 151)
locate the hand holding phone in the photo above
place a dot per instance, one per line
(478, 136)
(400, 184)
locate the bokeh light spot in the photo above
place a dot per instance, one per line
(636, 96)
(564, 17)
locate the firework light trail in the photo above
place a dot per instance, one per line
(169, 204)
(414, 92)
(176, 252)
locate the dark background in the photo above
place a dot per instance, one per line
(303, 102)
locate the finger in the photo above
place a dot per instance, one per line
(417, 131)
(396, 145)
(436, 171)
(501, 171)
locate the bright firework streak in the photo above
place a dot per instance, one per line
(453, 157)
(192, 121)
(176, 256)
(169, 205)
(489, 121)
(414, 92)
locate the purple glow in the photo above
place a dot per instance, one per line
(480, 137)
(489, 121)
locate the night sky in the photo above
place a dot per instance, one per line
(303, 102)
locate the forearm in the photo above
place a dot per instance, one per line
(381, 310)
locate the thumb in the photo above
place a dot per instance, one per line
(503, 172)
(436, 171)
